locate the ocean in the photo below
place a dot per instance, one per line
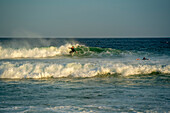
(104, 75)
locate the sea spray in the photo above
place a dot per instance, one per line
(7, 53)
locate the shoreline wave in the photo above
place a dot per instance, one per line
(46, 70)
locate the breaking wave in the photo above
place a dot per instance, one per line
(53, 70)
(51, 59)
(52, 51)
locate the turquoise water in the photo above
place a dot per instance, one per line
(39, 75)
(148, 93)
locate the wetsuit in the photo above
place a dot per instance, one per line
(72, 50)
(145, 58)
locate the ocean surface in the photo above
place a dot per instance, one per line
(105, 75)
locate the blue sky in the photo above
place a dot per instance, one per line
(84, 18)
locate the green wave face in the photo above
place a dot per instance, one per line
(96, 51)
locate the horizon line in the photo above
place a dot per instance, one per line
(84, 36)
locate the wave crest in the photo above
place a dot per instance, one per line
(46, 70)
(45, 52)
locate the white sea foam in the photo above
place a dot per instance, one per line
(76, 69)
(60, 109)
(63, 50)
(7, 53)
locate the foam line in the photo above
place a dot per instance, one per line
(46, 70)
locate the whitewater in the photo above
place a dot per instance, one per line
(104, 75)
(55, 61)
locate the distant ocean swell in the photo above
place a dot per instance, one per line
(52, 70)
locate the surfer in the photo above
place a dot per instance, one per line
(145, 58)
(72, 50)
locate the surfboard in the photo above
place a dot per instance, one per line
(142, 59)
